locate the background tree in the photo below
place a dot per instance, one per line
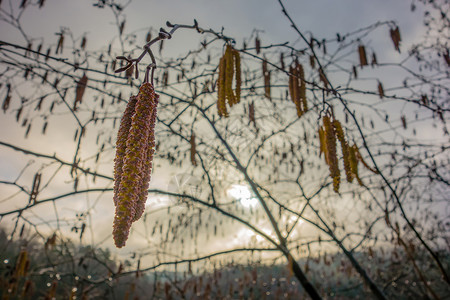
(323, 147)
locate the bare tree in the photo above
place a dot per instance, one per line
(303, 149)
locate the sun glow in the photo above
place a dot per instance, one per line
(243, 194)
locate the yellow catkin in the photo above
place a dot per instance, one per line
(332, 154)
(229, 75)
(345, 151)
(297, 88)
(20, 269)
(362, 56)
(237, 65)
(221, 106)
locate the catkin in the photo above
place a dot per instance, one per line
(229, 75)
(330, 137)
(133, 164)
(323, 145)
(302, 89)
(345, 151)
(251, 113)
(229, 65)
(121, 144)
(81, 87)
(221, 106)
(362, 56)
(297, 88)
(193, 150)
(380, 90)
(396, 38)
(237, 65)
(266, 75)
(354, 164)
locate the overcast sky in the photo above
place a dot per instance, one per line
(239, 17)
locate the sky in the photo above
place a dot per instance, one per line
(238, 18)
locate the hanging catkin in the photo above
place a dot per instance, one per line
(380, 90)
(330, 138)
(229, 65)
(81, 87)
(266, 75)
(345, 149)
(221, 105)
(229, 75)
(362, 55)
(133, 162)
(297, 88)
(354, 164)
(193, 150)
(396, 38)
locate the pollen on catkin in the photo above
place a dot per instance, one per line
(221, 94)
(229, 66)
(297, 88)
(345, 151)
(133, 163)
(330, 138)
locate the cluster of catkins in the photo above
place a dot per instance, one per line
(297, 88)
(229, 66)
(133, 162)
(329, 133)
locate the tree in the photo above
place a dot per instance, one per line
(308, 130)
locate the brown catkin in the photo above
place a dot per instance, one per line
(330, 137)
(258, 45)
(354, 164)
(294, 89)
(312, 61)
(266, 75)
(193, 150)
(396, 38)
(131, 193)
(251, 113)
(362, 55)
(380, 90)
(121, 143)
(323, 145)
(302, 89)
(267, 85)
(81, 87)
